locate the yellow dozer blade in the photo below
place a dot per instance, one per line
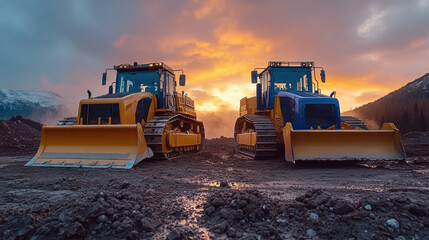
(95, 146)
(384, 144)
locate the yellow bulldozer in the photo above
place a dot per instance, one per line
(145, 117)
(289, 112)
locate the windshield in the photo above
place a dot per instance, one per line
(138, 82)
(291, 79)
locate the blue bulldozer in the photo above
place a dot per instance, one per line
(290, 114)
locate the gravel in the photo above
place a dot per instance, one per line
(267, 199)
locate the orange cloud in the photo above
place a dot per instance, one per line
(366, 47)
(218, 71)
(219, 42)
(206, 8)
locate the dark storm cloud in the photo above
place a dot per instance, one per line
(51, 38)
(367, 47)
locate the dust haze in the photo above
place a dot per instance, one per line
(51, 117)
(370, 123)
(217, 124)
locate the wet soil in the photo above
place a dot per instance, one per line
(19, 136)
(218, 195)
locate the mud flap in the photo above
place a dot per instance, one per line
(94, 146)
(384, 144)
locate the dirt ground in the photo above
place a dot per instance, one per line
(219, 195)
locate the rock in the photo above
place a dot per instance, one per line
(300, 198)
(75, 230)
(223, 226)
(102, 218)
(226, 213)
(24, 230)
(36, 209)
(186, 229)
(372, 215)
(280, 220)
(418, 210)
(217, 202)
(210, 210)
(147, 225)
(242, 203)
(224, 184)
(150, 191)
(400, 199)
(343, 207)
(125, 184)
(317, 200)
(92, 211)
(368, 207)
(238, 214)
(115, 224)
(264, 208)
(110, 211)
(231, 233)
(393, 223)
(314, 216)
(63, 217)
(133, 235)
(173, 235)
(311, 233)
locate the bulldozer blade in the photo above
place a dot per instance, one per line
(94, 146)
(384, 144)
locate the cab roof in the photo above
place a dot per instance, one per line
(281, 64)
(126, 67)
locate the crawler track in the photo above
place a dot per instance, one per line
(156, 127)
(266, 143)
(354, 122)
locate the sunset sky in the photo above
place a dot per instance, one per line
(368, 48)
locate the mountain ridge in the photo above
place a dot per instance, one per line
(36, 105)
(407, 107)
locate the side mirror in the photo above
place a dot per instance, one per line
(103, 80)
(322, 75)
(110, 89)
(182, 79)
(254, 77)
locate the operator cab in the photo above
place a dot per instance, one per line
(155, 78)
(300, 100)
(288, 77)
(285, 76)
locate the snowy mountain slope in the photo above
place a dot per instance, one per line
(29, 104)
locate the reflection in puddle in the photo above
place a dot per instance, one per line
(424, 171)
(368, 166)
(375, 189)
(217, 184)
(193, 210)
